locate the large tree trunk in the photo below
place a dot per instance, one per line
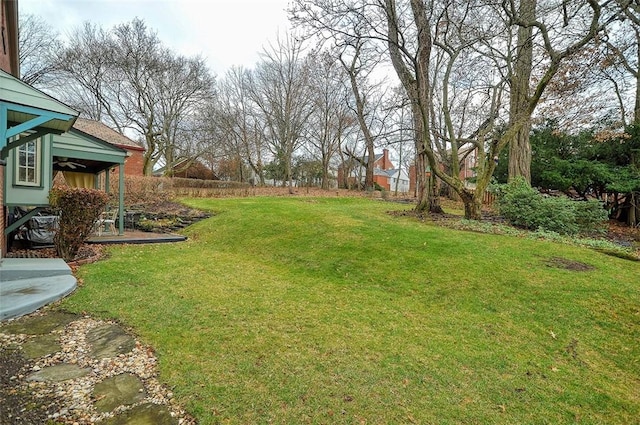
(636, 109)
(428, 198)
(433, 196)
(472, 204)
(368, 176)
(422, 186)
(324, 183)
(632, 218)
(520, 154)
(257, 169)
(289, 173)
(147, 159)
(519, 147)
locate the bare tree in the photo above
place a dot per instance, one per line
(184, 88)
(38, 47)
(358, 61)
(331, 117)
(463, 85)
(238, 123)
(407, 28)
(89, 76)
(410, 44)
(161, 88)
(127, 78)
(358, 22)
(281, 90)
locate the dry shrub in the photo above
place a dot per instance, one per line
(78, 210)
(140, 190)
(205, 192)
(315, 192)
(207, 184)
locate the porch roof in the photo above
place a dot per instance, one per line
(91, 153)
(24, 108)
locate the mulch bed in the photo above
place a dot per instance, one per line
(617, 233)
(86, 252)
(20, 406)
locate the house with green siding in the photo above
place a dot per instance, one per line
(45, 144)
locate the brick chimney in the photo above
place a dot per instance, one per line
(386, 162)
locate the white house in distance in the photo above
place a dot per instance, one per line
(398, 179)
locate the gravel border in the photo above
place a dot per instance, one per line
(70, 401)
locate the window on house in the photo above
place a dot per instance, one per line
(28, 164)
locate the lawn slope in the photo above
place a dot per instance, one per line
(331, 311)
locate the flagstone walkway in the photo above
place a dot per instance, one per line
(58, 367)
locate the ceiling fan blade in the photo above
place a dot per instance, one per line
(69, 164)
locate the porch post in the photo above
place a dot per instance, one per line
(3, 218)
(107, 184)
(121, 199)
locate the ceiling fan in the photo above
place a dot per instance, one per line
(64, 162)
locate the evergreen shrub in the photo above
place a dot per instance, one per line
(525, 207)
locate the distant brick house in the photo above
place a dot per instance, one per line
(468, 155)
(193, 170)
(385, 174)
(189, 168)
(134, 164)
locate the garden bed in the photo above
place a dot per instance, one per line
(162, 217)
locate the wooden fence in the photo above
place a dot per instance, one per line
(488, 198)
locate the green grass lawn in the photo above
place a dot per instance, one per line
(331, 311)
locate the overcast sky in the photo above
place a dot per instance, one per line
(225, 32)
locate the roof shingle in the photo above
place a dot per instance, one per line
(106, 133)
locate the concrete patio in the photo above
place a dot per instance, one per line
(26, 284)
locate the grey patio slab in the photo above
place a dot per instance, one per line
(28, 268)
(24, 296)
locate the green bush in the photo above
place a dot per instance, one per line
(591, 216)
(78, 210)
(523, 206)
